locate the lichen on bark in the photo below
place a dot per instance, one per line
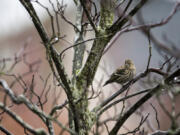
(86, 75)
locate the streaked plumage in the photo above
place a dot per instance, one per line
(123, 74)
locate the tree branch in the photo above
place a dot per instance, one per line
(126, 86)
(52, 54)
(146, 97)
(20, 121)
(88, 15)
(118, 24)
(21, 99)
(5, 131)
(37, 23)
(79, 38)
(122, 99)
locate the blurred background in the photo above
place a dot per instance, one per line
(17, 32)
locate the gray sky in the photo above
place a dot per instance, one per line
(15, 17)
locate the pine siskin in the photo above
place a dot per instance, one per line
(123, 74)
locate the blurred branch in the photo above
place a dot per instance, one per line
(145, 26)
(5, 131)
(81, 120)
(152, 25)
(52, 54)
(30, 9)
(50, 15)
(79, 43)
(158, 44)
(156, 113)
(122, 99)
(126, 86)
(79, 38)
(160, 132)
(129, 112)
(118, 24)
(88, 15)
(61, 9)
(58, 107)
(150, 50)
(20, 121)
(23, 100)
(138, 127)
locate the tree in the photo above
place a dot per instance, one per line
(79, 89)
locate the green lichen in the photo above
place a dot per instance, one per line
(107, 14)
(85, 76)
(106, 18)
(91, 118)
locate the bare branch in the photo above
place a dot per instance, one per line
(153, 25)
(150, 50)
(122, 99)
(157, 120)
(88, 15)
(58, 107)
(20, 121)
(126, 86)
(5, 130)
(23, 100)
(50, 15)
(141, 101)
(118, 24)
(146, 26)
(138, 127)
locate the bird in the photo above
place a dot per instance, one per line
(123, 74)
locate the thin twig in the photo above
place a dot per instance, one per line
(157, 120)
(122, 99)
(88, 16)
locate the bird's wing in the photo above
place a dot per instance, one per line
(121, 72)
(118, 73)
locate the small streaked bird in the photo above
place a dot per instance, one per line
(123, 74)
